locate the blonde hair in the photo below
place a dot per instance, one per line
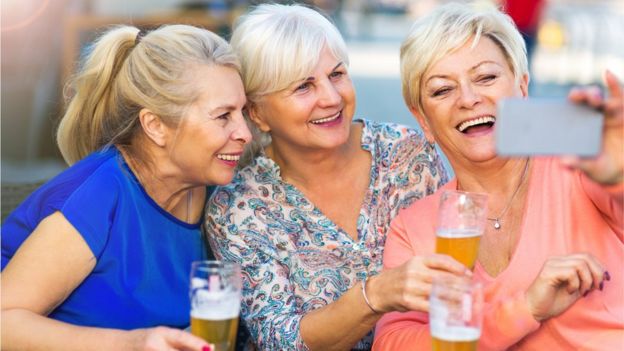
(448, 28)
(278, 45)
(122, 74)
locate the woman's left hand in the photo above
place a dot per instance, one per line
(608, 167)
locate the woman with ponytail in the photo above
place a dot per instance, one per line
(98, 258)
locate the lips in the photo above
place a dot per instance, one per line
(327, 119)
(229, 157)
(483, 122)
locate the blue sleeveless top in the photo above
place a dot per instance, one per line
(143, 253)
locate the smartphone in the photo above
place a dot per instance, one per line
(545, 126)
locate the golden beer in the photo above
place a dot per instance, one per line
(461, 245)
(455, 339)
(220, 332)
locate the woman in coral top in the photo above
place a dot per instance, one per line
(551, 256)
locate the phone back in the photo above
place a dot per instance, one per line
(539, 126)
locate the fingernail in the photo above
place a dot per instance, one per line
(600, 286)
(586, 293)
(206, 348)
(607, 276)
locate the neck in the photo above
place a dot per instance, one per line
(162, 183)
(305, 166)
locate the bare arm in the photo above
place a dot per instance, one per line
(48, 266)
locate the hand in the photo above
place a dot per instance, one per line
(167, 339)
(608, 167)
(562, 281)
(407, 287)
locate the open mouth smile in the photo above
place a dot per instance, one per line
(476, 124)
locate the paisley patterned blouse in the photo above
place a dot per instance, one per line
(294, 258)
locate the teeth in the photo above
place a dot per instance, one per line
(473, 122)
(324, 120)
(228, 157)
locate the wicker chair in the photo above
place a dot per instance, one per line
(14, 193)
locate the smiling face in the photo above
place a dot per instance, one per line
(314, 112)
(207, 144)
(459, 96)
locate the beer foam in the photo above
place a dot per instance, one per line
(455, 333)
(215, 305)
(458, 233)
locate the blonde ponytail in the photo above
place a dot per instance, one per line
(121, 75)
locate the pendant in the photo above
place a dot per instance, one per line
(497, 224)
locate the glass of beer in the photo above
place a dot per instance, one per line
(215, 302)
(462, 217)
(455, 314)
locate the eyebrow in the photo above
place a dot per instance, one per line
(471, 69)
(311, 79)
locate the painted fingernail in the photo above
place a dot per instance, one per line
(600, 286)
(607, 276)
(586, 293)
(206, 348)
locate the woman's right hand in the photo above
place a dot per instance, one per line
(562, 281)
(407, 287)
(166, 339)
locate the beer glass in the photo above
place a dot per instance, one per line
(462, 217)
(215, 302)
(455, 314)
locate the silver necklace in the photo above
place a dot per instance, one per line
(497, 220)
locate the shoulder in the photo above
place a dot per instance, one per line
(390, 133)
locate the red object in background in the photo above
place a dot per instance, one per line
(525, 13)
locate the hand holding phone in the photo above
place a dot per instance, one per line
(538, 126)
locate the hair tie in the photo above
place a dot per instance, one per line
(142, 32)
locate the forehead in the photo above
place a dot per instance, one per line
(467, 57)
(217, 85)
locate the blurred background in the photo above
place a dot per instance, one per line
(572, 42)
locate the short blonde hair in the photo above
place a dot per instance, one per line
(448, 28)
(122, 74)
(280, 44)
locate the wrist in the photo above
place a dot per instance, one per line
(367, 295)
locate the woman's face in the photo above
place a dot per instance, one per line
(314, 112)
(459, 95)
(209, 140)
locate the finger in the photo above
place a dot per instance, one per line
(446, 263)
(595, 267)
(613, 85)
(181, 340)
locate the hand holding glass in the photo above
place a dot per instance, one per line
(215, 302)
(462, 217)
(455, 314)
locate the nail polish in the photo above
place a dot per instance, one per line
(206, 348)
(600, 286)
(586, 293)
(607, 276)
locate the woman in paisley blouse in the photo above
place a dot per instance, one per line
(307, 217)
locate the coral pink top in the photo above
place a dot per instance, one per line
(566, 213)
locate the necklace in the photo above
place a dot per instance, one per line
(497, 220)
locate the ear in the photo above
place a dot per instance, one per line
(524, 85)
(423, 124)
(155, 129)
(257, 117)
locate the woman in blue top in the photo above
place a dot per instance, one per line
(98, 258)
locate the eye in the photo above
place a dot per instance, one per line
(441, 92)
(303, 87)
(224, 117)
(487, 78)
(336, 74)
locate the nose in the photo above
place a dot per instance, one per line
(469, 96)
(329, 94)
(241, 130)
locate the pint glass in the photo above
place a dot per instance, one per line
(215, 302)
(455, 314)
(461, 221)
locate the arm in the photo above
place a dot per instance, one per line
(37, 280)
(604, 174)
